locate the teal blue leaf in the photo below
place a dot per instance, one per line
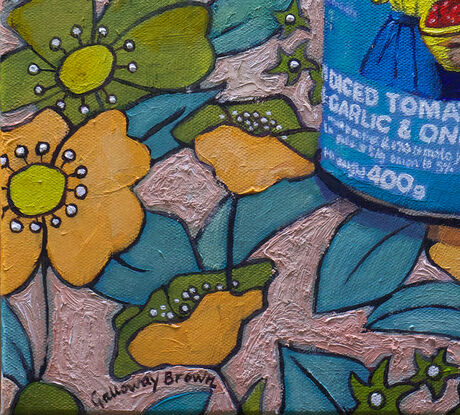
(370, 256)
(17, 359)
(191, 403)
(152, 120)
(429, 307)
(258, 217)
(240, 25)
(318, 383)
(164, 249)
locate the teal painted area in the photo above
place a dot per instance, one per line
(156, 117)
(193, 403)
(317, 383)
(258, 216)
(428, 320)
(212, 244)
(369, 257)
(431, 308)
(240, 25)
(162, 251)
(16, 353)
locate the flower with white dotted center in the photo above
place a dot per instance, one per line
(45, 195)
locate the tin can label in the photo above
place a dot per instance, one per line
(391, 119)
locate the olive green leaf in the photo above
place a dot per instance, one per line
(46, 399)
(252, 403)
(292, 19)
(434, 372)
(377, 396)
(294, 64)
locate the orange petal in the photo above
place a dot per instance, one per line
(113, 160)
(206, 338)
(103, 225)
(20, 253)
(447, 257)
(246, 163)
(125, 216)
(47, 126)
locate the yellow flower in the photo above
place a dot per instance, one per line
(248, 163)
(446, 251)
(67, 196)
(206, 338)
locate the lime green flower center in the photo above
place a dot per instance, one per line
(87, 69)
(37, 189)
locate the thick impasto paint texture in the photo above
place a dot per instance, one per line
(230, 206)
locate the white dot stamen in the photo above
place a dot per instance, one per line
(16, 226)
(71, 210)
(55, 44)
(21, 151)
(112, 99)
(376, 399)
(170, 315)
(294, 64)
(102, 30)
(84, 109)
(69, 155)
(81, 172)
(33, 69)
(129, 45)
(3, 160)
(132, 67)
(42, 148)
(76, 31)
(60, 103)
(290, 19)
(433, 371)
(56, 222)
(35, 227)
(81, 191)
(153, 312)
(39, 89)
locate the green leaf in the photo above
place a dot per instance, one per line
(120, 15)
(18, 82)
(434, 372)
(315, 93)
(377, 396)
(46, 399)
(39, 21)
(252, 404)
(294, 64)
(171, 49)
(292, 19)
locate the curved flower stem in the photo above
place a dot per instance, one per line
(44, 271)
(230, 241)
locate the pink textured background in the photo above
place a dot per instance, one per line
(82, 334)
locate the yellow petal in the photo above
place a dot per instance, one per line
(20, 253)
(103, 225)
(447, 257)
(206, 338)
(247, 163)
(112, 159)
(47, 126)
